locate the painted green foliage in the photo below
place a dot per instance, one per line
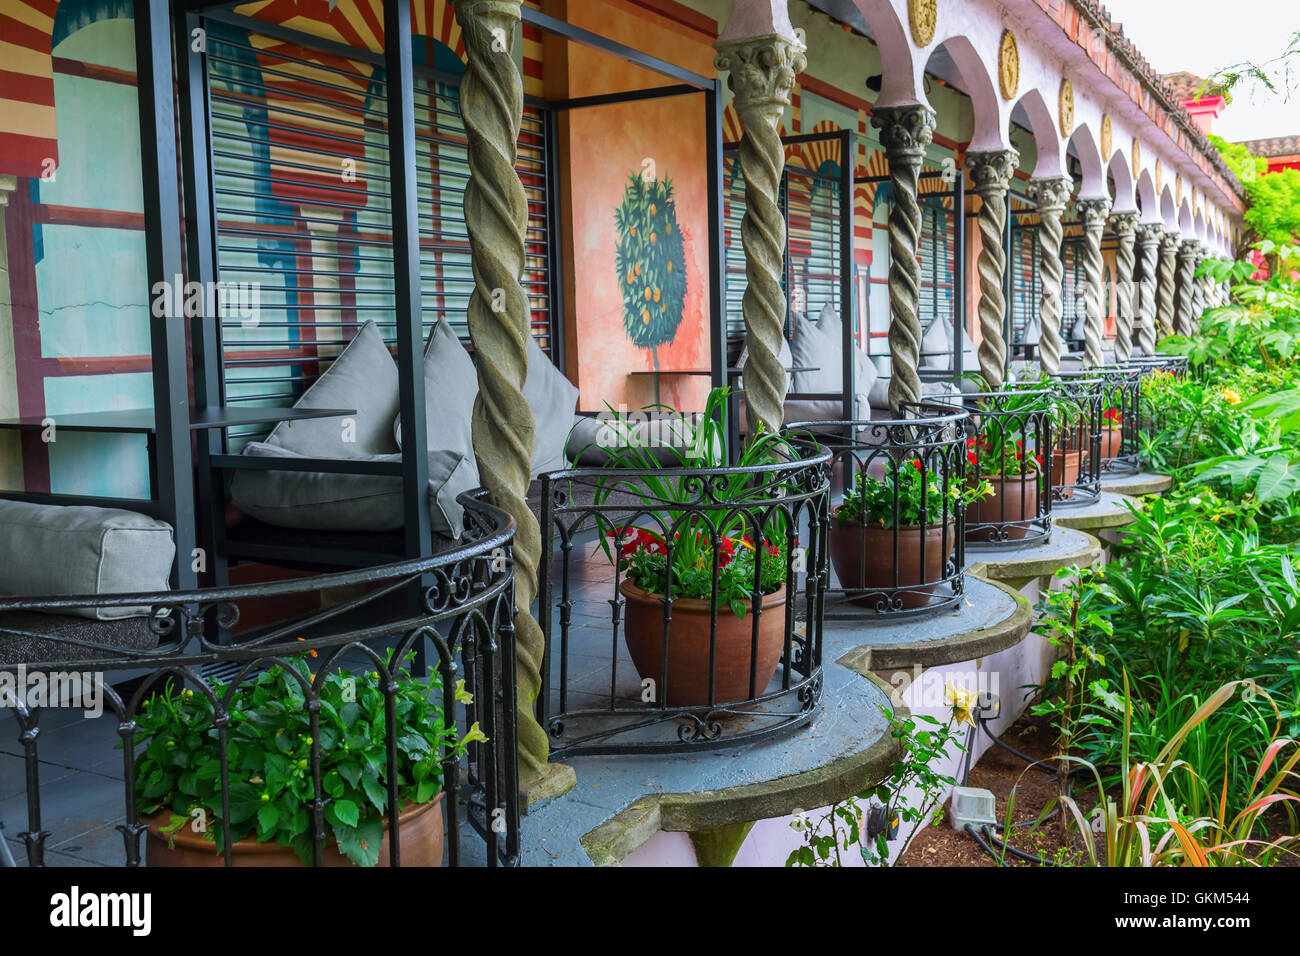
(651, 260)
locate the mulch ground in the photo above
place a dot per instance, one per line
(1002, 773)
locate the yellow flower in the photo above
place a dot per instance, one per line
(1232, 396)
(462, 695)
(473, 734)
(961, 700)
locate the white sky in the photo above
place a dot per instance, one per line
(1203, 36)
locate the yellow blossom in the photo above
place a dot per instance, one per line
(961, 700)
(1232, 396)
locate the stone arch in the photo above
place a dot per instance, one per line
(1121, 173)
(957, 53)
(1083, 146)
(1185, 221)
(899, 73)
(1146, 196)
(1168, 211)
(1032, 112)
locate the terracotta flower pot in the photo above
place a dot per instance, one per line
(687, 681)
(848, 544)
(1066, 463)
(1112, 442)
(1018, 494)
(421, 826)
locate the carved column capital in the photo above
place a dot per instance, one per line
(1124, 224)
(991, 170)
(1051, 195)
(1093, 212)
(762, 72)
(905, 131)
(991, 173)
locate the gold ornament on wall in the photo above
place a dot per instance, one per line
(1106, 138)
(1066, 107)
(1008, 65)
(1137, 159)
(922, 15)
(1178, 189)
(1160, 176)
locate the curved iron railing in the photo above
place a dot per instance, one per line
(1121, 444)
(896, 550)
(636, 669)
(1077, 454)
(459, 601)
(1007, 433)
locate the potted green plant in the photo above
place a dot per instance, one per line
(271, 790)
(906, 505)
(688, 565)
(1112, 435)
(1012, 475)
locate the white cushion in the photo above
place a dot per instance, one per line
(820, 346)
(65, 550)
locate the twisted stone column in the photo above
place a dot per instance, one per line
(761, 74)
(1185, 287)
(496, 216)
(905, 131)
(1093, 212)
(1051, 197)
(1166, 279)
(1204, 285)
(991, 174)
(1148, 240)
(1125, 225)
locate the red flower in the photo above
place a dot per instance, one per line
(972, 457)
(916, 463)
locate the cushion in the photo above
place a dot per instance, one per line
(451, 386)
(666, 437)
(322, 501)
(553, 400)
(36, 637)
(820, 346)
(61, 549)
(936, 345)
(363, 377)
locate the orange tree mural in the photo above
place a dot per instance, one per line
(651, 260)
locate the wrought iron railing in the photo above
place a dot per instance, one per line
(897, 536)
(1121, 444)
(1077, 454)
(459, 602)
(1009, 436)
(640, 661)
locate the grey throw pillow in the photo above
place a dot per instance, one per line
(364, 378)
(451, 386)
(76, 550)
(553, 400)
